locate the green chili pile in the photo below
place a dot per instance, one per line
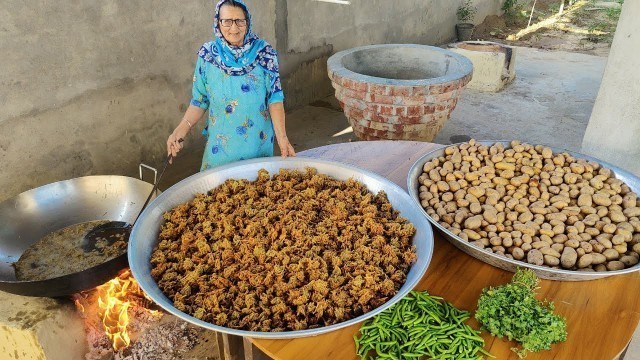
(420, 326)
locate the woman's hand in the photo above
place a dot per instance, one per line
(174, 142)
(276, 110)
(286, 149)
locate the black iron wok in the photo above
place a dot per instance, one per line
(26, 218)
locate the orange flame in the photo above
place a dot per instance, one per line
(113, 306)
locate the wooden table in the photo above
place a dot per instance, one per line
(601, 314)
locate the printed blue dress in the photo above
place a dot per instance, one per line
(238, 124)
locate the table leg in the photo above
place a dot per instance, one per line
(249, 353)
(220, 345)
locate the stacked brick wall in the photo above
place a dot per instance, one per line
(397, 112)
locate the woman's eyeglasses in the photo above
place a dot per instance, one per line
(229, 22)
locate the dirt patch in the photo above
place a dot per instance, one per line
(585, 26)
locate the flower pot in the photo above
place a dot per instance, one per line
(464, 31)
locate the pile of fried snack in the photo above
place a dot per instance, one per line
(296, 250)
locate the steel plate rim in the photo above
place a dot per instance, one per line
(166, 304)
(466, 247)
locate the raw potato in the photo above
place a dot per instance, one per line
(535, 257)
(585, 260)
(629, 260)
(532, 205)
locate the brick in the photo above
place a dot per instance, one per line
(395, 135)
(430, 100)
(420, 90)
(437, 118)
(450, 86)
(400, 110)
(361, 87)
(385, 110)
(402, 90)
(354, 114)
(443, 107)
(444, 97)
(357, 131)
(381, 99)
(436, 88)
(369, 132)
(414, 110)
(354, 85)
(383, 118)
(361, 119)
(411, 100)
(354, 94)
(347, 83)
(379, 89)
(355, 103)
(382, 126)
(411, 119)
(429, 109)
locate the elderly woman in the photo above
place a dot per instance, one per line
(236, 78)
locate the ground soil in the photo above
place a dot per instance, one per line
(585, 26)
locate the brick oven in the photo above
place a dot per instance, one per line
(398, 91)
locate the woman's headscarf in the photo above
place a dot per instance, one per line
(234, 60)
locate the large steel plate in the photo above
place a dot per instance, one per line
(144, 235)
(502, 262)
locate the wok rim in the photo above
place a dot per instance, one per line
(74, 282)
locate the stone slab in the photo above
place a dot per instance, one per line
(40, 328)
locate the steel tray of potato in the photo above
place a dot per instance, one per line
(144, 235)
(502, 262)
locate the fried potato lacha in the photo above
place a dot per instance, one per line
(299, 250)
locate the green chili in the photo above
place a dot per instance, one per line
(420, 325)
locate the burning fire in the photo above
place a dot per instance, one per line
(113, 310)
(115, 299)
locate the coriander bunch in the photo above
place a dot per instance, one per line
(512, 310)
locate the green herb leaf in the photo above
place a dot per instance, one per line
(512, 311)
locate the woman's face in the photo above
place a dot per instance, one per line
(233, 34)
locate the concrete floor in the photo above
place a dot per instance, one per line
(549, 102)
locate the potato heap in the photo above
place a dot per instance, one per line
(527, 203)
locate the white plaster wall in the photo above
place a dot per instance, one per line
(613, 132)
(363, 22)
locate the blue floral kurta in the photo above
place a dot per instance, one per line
(238, 124)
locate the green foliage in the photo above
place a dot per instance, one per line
(466, 11)
(598, 26)
(613, 14)
(511, 7)
(512, 310)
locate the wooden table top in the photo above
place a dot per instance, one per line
(601, 314)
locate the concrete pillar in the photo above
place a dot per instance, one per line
(614, 126)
